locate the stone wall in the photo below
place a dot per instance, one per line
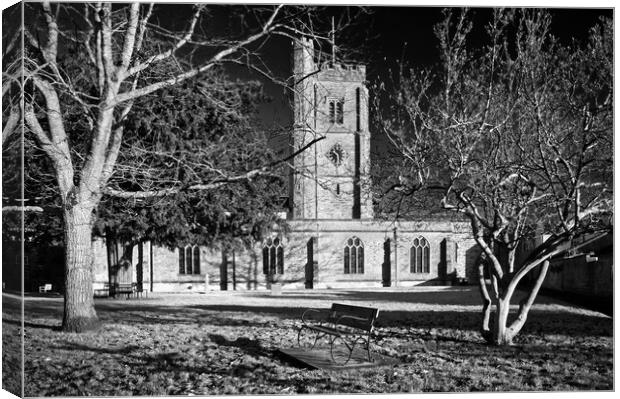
(450, 246)
(577, 276)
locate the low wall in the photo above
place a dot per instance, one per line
(575, 275)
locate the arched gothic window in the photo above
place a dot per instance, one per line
(419, 256)
(273, 257)
(189, 259)
(354, 256)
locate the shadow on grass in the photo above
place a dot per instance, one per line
(460, 296)
(28, 324)
(145, 361)
(135, 313)
(539, 322)
(556, 353)
(444, 296)
(74, 346)
(542, 322)
(603, 304)
(250, 346)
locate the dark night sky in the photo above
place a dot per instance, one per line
(390, 34)
(379, 38)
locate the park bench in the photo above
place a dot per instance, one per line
(138, 289)
(115, 289)
(45, 288)
(103, 292)
(345, 327)
(127, 289)
(124, 289)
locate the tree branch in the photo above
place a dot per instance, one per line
(142, 31)
(103, 14)
(10, 124)
(130, 95)
(161, 56)
(62, 161)
(195, 187)
(130, 39)
(526, 304)
(51, 47)
(486, 299)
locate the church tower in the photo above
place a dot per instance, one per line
(330, 178)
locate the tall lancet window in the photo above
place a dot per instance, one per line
(419, 256)
(354, 256)
(189, 259)
(358, 122)
(273, 257)
(316, 104)
(336, 111)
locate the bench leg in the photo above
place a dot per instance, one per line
(316, 339)
(299, 335)
(347, 346)
(366, 342)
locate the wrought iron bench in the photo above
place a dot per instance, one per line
(124, 289)
(103, 292)
(138, 289)
(345, 327)
(45, 288)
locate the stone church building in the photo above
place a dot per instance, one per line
(333, 239)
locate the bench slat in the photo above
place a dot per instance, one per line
(363, 317)
(333, 331)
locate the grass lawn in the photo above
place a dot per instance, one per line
(224, 343)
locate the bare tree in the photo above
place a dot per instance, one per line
(517, 136)
(121, 54)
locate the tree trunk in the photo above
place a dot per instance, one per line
(504, 333)
(526, 303)
(486, 301)
(501, 334)
(79, 309)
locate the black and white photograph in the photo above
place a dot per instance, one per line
(233, 198)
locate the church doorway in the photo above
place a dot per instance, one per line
(387, 264)
(120, 263)
(224, 272)
(140, 268)
(311, 262)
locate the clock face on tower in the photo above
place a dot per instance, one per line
(336, 154)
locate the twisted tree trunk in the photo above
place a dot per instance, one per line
(486, 301)
(504, 332)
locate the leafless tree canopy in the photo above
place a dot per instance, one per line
(517, 136)
(87, 65)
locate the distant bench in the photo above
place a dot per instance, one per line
(127, 289)
(103, 292)
(124, 289)
(345, 327)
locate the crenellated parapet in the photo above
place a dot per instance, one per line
(342, 72)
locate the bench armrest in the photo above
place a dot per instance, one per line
(306, 313)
